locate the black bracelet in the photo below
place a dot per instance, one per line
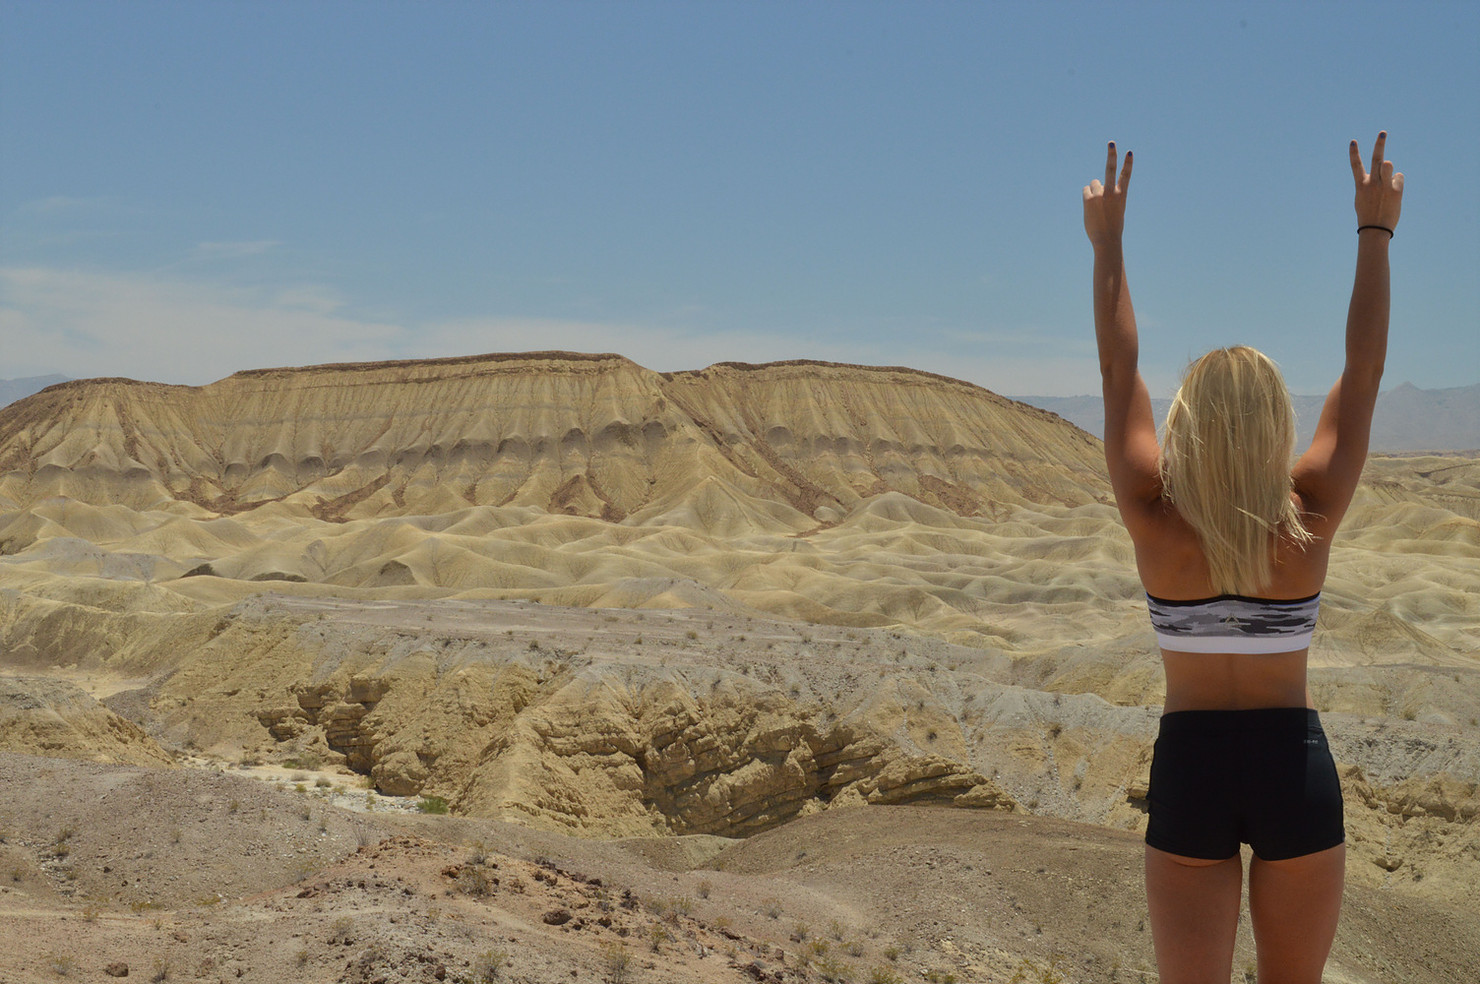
(1383, 228)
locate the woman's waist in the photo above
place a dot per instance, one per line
(1235, 682)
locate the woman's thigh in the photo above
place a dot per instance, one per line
(1194, 906)
(1294, 905)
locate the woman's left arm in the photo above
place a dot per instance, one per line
(1131, 452)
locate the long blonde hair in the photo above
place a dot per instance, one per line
(1225, 465)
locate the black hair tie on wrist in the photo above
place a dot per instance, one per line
(1383, 228)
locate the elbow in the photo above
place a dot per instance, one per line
(1364, 371)
(1115, 372)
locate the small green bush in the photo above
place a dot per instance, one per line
(432, 804)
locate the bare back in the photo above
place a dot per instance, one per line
(1171, 564)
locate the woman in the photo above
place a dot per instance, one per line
(1232, 546)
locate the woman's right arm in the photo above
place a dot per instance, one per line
(1326, 475)
(1131, 453)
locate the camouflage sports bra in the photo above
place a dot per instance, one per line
(1234, 624)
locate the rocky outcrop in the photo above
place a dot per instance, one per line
(614, 751)
(42, 716)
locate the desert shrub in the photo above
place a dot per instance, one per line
(61, 964)
(309, 760)
(432, 804)
(489, 965)
(772, 908)
(618, 962)
(831, 969)
(658, 935)
(705, 888)
(342, 931)
(884, 975)
(1047, 974)
(475, 880)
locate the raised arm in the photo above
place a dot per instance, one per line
(1131, 452)
(1326, 475)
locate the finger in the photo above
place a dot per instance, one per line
(1110, 165)
(1387, 172)
(1095, 188)
(1125, 173)
(1358, 171)
(1088, 195)
(1377, 151)
(1398, 182)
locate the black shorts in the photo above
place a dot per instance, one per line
(1261, 777)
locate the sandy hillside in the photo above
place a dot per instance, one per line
(214, 875)
(585, 602)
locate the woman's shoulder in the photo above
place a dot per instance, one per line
(1171, 562)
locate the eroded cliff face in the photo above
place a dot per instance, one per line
(556, 738)
(594, 436)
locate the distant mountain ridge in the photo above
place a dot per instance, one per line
(18, 389)
(793, 443)
(1407, 418)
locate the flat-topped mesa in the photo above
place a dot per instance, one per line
(574, 434)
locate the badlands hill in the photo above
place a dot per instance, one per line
(594, 436)
(569, 593)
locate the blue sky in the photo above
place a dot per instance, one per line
(189, 189)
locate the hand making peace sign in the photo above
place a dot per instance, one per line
(1104, 204)
(1379, 193)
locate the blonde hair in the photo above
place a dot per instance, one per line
(1225, 465)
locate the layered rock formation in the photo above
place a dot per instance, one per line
(595, 436)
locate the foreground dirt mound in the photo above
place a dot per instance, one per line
(53, 717)
(154, 869)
